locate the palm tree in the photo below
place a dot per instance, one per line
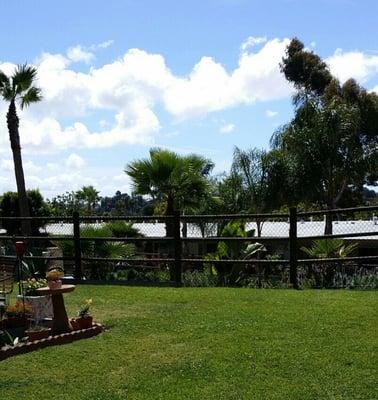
(19, 88)
(89, 195)
(180, 181)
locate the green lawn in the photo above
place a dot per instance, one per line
(209, 344)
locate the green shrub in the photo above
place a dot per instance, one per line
(99, 249)
(197, 278)
(123, 229)
(9, 208)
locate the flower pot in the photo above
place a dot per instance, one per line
(38, 335)
(54, 285)
(83, 322)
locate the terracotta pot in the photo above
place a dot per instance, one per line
(38, 335)
(84, 322)
(53, 285)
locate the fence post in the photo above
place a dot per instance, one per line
(293, 244)
(177, 249)
(77, 246)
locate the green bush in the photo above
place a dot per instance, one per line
(9, 208)
(102, 248)
(197, 278)
(230, 274)
(123, 229)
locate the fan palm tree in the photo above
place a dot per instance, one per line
(90, 196)
(19, 88)
(180, 181)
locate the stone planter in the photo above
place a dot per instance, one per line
(41, 306)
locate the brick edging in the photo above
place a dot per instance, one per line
(64, 338)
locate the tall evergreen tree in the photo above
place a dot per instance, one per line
(333, 138)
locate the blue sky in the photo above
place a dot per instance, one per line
(194, 76)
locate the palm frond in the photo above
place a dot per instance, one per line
(5, 87)
(4, 80)
(33, 95)
(140, 173)
(328, 248)
(23, 78)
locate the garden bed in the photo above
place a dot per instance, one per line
(64, 338)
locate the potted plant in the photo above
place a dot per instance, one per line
(41, 305)
(84, 319)
(53, 276)
(38, 332)
(17, 314)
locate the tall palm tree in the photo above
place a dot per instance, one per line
(180, 181)
(19, 88)
(89, 195)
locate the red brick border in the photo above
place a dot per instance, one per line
(21, 348)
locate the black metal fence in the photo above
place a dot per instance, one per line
(259, 250)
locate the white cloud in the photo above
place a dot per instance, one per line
(136, 125)
(131, 87)
(29, 167)
(102, 45)
(252, 41)
(270, 113)
(6, 165)
(353, 64)
(75, 161)
(121, 182)
(51, 185)
(209, 87)
(78, 54)
(56, 178)
(227, 128)
(7, 67)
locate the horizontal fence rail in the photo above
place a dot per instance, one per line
(194, 240)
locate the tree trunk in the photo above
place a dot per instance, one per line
(328, 225)
(259, 225)
(328, 230)
(14, 137)
(169, 211)
(332, 204)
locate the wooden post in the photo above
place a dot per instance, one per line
(293, 244)
(77, 246)
(177, 249)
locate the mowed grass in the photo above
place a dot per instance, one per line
(212, 343)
